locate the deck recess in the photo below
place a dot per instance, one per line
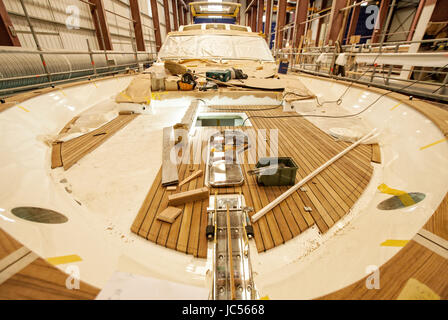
(322, 201)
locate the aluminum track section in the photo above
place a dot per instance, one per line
(232, 271)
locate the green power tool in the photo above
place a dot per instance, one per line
(220, 75)
(226, 75)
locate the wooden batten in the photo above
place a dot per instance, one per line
(193, 176)
(188, 196)
(169, 168)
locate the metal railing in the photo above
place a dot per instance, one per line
(94, 71)
(31, 79)
(403, 77)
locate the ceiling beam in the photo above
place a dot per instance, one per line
(156, 24)
(180, 14)
(166, 10)
(176, 25)
(300, 16)
(281, 19)
(101, 27)
(336, 20)
(267, 25)
(138, 29)
(260, 9)
(353, 23)
(379, 25)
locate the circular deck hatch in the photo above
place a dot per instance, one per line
(396, 202)
(40, 215)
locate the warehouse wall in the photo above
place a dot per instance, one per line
(49, 19)
(51, 26)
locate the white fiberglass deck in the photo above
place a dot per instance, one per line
(111, 183)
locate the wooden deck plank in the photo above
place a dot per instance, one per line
(199, 209)
(258, 237)
(7, 244)
(173, 233)
(376, 153)
(340, 168)
(330, 195)
(438, 223)
(184, 231)
(169, 169)
(288, 207)
(268, 194)
(315, 154)
(75, 149)
(270, 219)
(39, 280)
(262, 224)
(152, 209)
(141, 216)
(306, 165)
(413, 261)
(250, 186)
(56, 157)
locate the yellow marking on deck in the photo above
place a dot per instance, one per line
(64, 259)
(23, 108)
(394, 243)
(156, 95)
(395, 106)
(404, 197)
(434, 143)
(124, 95)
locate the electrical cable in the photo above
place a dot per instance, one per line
(344, 116)
(339, 100)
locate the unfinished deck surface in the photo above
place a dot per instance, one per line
(330, 194)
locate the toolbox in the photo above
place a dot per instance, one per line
(220, 75)
(280, 171)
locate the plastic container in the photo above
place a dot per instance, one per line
(282, 176)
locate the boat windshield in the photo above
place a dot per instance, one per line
(215, 46)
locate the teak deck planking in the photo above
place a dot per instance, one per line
(330, 194)
(39, 280)
(413, 261)
(438, 223)
(67, 153)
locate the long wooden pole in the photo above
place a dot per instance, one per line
(291, 190)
